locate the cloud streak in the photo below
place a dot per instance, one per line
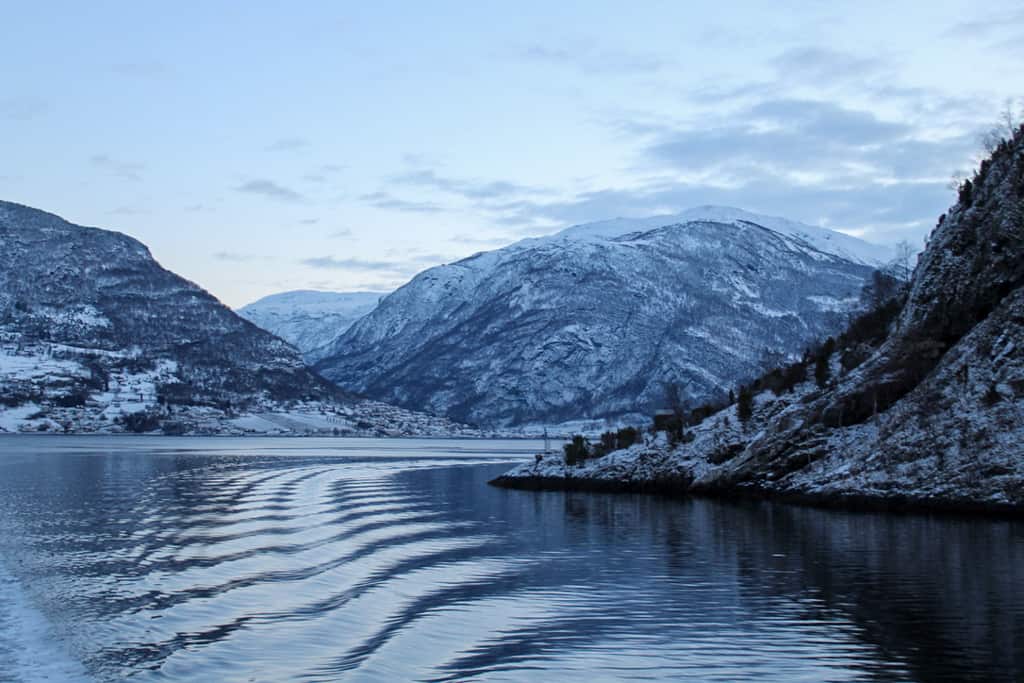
(403, 267)
(128, 170)
(23, 108)
(288, 144)
(270, 190)
(594, 61)
(235, 257)
(388, 201)
(332, 263)
(467, 189)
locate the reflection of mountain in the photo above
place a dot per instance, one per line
(937, 597)
(940, 595)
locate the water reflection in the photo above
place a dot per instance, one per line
(267, 560)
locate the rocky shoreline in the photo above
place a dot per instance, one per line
(678, 488)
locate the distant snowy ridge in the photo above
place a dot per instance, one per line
(825, 240)
(309, 320)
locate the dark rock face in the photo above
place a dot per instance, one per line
(949, 379)
(103, 293)
(567, 328)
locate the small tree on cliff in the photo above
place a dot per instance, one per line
(745, 405)
(822, 371)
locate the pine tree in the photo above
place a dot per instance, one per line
(745, 405)
(822, 371)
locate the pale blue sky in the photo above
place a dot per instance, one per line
(258, 147)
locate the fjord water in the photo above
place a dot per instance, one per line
(390, 560)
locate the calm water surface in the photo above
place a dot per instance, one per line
(323, 560)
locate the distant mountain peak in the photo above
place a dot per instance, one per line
(310, 319)
(594, 321)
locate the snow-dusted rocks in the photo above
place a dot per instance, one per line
(310, 320)
(595, 321)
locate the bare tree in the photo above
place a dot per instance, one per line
(904, 257)
(1004, 129)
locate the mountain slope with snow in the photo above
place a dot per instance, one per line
(596, 321)
(96, 336)
(310, 320)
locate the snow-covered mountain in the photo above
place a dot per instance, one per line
(96, 336)
(310, 320)
(597, 320)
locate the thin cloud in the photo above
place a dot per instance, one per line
(332, 263)
(288, 144)
(23, 108)
(988, 27)
(270, 190)
(119, 168)
(481, 190)
(822, 64)
(403, 267)
(234, 257)
(592, 60)
(323, 173)
(385, 200)
(127, 211)
(806, 139)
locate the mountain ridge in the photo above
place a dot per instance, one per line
(515, 335)
(825, 239)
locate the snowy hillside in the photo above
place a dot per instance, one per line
(920, 404)
(309, 320)
(96, 336)
(596, 321)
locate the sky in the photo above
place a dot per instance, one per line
(267, 146)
